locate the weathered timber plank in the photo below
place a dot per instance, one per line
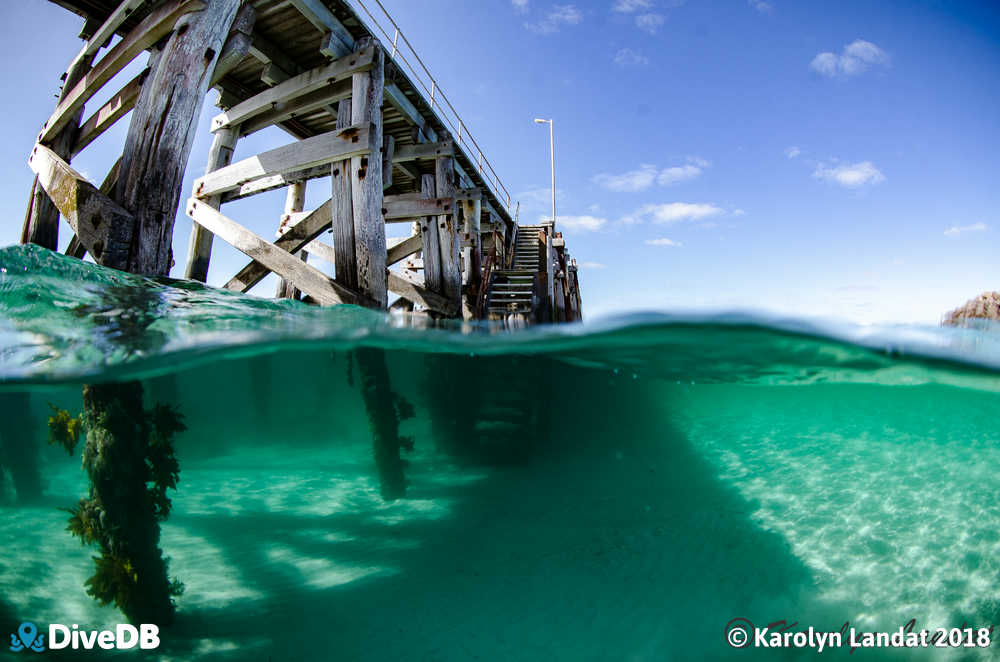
(308, 279)
(103, 226)
(471, 194)
(152, 29)
(266, 184)
(333, 46)
(472, 256)
(76, 248)
(406, 153)
(322, 250)
(407, 206)
(416, 293)
(238, 43)
(296, 87)
(295, 200)
(388, 149)
(403, 249)
(112, 111)
(162, 130)
(345, 263)
(269, 53)
(366, 180)
(397, 99)
(304, 105)
(451, 271)
(323, 19)
(296, 236)
(41, 221)
(107, 30)
(430, 239)
(354, 141)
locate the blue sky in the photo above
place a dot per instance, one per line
(832, 159)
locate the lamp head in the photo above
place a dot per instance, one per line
(538, 121)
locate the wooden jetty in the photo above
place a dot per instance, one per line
(366, 120)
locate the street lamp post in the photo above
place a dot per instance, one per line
(552, 154)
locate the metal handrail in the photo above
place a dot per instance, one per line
(454, 121)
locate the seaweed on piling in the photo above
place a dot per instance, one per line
(64, 430)
(129, 457)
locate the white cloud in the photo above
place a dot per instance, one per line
(520, 6)
(626, 57)
(739, 212)
(853, 175)
(641, 179)
(792, 152)
(955, 231)
(663, 242)
(629, 182)
(650, 22)
(591, 265)
(856, 57)
(678, 174)
(556, 18)
(673, 212)
(761, 6)
(629, 6)
(581, 223)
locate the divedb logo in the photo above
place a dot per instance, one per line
(123, 637)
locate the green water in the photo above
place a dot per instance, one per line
(617, 491)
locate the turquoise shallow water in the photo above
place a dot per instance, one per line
(612, 491)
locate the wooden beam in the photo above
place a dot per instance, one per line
(345, 262)
(427, 151)
(76, 248)
(366, 181)
(266, 184)
(162, 132)
(106, 31)
(308, 279)
(112, 111)
(403, 249)
(451, 272)
(102, 225)
(333, 46)
(416, 293)
(355, 141)
(295, 200)
(472, 255)
(430, 240)
(41, 221)
(388, 150)
(472, 194)
(411, 205)
(294, 88)
(269, 53)
(238, 43)
(296, 236)
(152, 29)
(317, 13)
(322, 251)
(323, 98)
(398, 100)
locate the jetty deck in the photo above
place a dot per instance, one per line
(366, 121)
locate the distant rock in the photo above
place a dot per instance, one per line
(984, 307)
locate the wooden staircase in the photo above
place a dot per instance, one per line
(512, 290)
